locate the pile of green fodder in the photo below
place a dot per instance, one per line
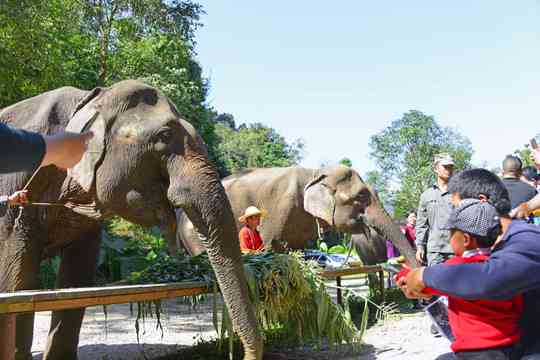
(287, 291)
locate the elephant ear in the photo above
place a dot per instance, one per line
(319, 200)
(86, 117)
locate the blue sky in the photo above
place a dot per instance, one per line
(335, 73)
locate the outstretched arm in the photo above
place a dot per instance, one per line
(25, 151)
(505, 274)
(20, 150)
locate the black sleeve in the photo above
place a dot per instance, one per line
(20, 150)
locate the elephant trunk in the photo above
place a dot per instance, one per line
(379, 219)
(207, 206)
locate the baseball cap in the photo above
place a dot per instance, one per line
(444, 159)
(473, 216)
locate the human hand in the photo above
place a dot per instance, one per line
(420, 255)
(412, 284)
(18, 198)
(520, 212)
(65, 150)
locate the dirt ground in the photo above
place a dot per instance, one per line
(402, 338)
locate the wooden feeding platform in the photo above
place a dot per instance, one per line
(354, 270)
(60, 299)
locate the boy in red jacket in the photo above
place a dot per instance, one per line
(483, 329)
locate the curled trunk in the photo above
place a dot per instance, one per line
(379, 219)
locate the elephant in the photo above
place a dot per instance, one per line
(299, 202)
(144, 161)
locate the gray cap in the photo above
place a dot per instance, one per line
(473, 216)
(443, 159)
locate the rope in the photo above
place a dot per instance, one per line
(44, 204)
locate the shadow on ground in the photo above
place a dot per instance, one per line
(171, 352)
(122, 351)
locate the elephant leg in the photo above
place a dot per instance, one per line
(77, 269)
(19, 259)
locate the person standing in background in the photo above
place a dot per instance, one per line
(519, 191)
(409, 230)
(433, 243)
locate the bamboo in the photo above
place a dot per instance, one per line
(329, 274)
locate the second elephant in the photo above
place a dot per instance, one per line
(296, 198)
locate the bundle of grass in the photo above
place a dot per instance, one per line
(291, 297)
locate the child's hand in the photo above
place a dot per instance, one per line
(403, 273)
(18, 198)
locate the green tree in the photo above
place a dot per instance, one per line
(404, 153)
(525, 155)
(42, 47)
(254, 145)
(88, 43)
(382, 188)
(346, 162)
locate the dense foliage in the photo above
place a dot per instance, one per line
(87, 43)
(404, 153)
(254, 145)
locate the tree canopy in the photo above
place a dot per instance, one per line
(404, 153)
(254, 145)
(87, 43)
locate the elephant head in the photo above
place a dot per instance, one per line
(339, 198)
(144, 162)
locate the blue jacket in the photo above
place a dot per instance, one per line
(19, 151)
(512, 269)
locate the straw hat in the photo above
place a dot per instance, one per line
(251, 211)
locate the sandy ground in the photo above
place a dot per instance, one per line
(403, 338)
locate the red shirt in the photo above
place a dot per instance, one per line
(250, 240)
(480, 324)
(410, 234)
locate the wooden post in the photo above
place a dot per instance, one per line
(339, 297)
(381, 284)
(7, 337)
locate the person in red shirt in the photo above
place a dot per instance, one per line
(409, 229)
(483, 329)
(249, 236)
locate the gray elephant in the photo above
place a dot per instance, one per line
(296, 199)
(143, 162)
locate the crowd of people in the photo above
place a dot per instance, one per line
(478, 245)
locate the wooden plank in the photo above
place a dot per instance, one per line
(74, 293)
(33, 301)
(329, 274)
